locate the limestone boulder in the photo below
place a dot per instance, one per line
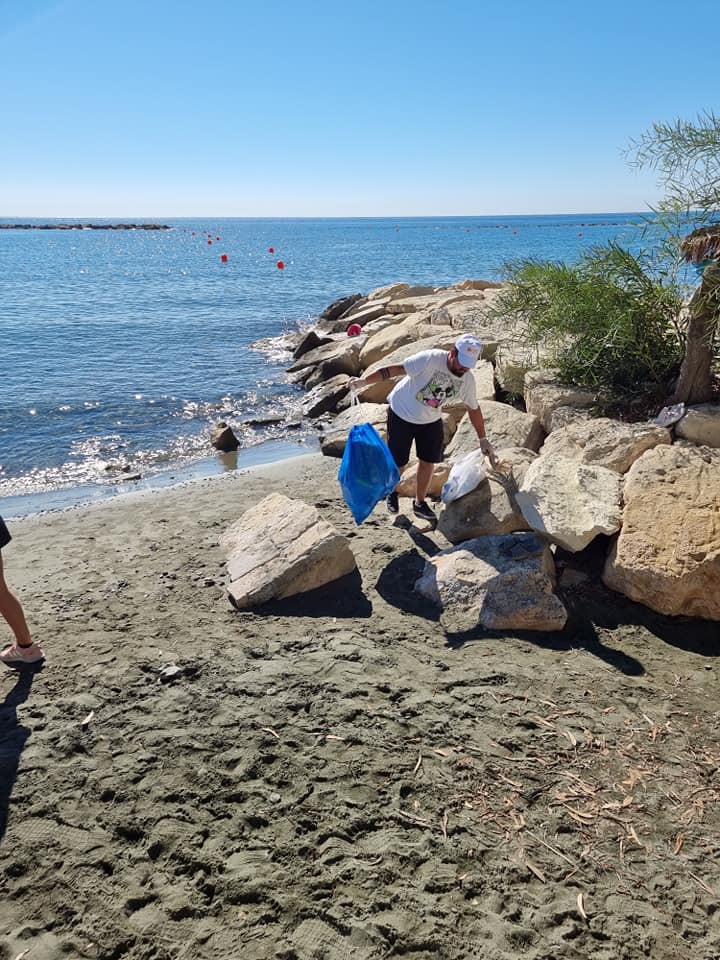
(701, 424)
(605, 443)
(389, 292)
(477, 285)
(334, 437)
(432, 301)
(311, 339)
(362, 313)
(505, 427)
(382, 344)
(406, 487)
(667, 556)
(490, 508)
(544, 394)
(336, 309)
(569, 502)
(496, 582)
(325, 396)
(280, 548)
(382, 323)
(341, 349)
(223, 438)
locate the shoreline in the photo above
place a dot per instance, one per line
(269, 452)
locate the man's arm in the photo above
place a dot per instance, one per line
(384, 373)
(478, 422)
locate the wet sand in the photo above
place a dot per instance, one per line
(336, 777)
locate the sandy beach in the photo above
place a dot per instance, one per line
(333, 776)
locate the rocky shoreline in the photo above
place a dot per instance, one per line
(84, 226)
(567, 476)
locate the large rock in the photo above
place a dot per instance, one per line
(333, 440)
(337, 308)
(342, 349)
(544, 395)
(325, 396)
(279, 548)
(223, 438)
(364, 313)
(569, 502)
(668, 553)
(491, 507)
(513, 359)
(431, 301)
(500, 583)
(701, 424)
(505, 427)
(406, 487)
(311, 339)
(389, 292)
(382, 344)
(605, 443)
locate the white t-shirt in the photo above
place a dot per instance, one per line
(429, 386)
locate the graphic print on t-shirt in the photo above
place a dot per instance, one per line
(440, 388)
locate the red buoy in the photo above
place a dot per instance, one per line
(271, 249)
(209, 243)
(224, 258)
(217, 238)
(280, 265)
(354, 330)
(580, 234)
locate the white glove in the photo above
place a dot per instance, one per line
(487, 449)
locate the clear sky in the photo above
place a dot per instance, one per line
(161, 108)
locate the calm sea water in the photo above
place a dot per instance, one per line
(120, 349)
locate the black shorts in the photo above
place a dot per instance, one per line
(5, 537)
(428, 437)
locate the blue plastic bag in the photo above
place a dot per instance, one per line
(367, 471)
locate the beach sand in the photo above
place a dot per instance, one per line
(333, 776)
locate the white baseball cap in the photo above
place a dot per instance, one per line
(468, 349)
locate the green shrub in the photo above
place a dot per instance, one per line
(608, 322)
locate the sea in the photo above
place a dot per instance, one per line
(120, 349)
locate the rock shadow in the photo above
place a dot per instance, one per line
(13, 737)
(343, 597)
(397, 581)
(563, 641)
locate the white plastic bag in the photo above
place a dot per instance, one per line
(465, 475)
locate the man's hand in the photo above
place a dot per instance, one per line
(487, 449)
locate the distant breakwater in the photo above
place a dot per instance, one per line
(84, 226)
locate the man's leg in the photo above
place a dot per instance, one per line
(424, 476)
(12, 611)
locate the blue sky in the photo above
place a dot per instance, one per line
(152, 108)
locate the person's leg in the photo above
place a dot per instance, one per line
(429, 442)
(23, 650)
(12, 611)
(399, 441)
(422, 483)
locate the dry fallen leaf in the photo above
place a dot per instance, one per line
(678, 843)
(581, 906)
(536, 870)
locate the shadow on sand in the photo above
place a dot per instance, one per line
(12, 739)
(342, 598)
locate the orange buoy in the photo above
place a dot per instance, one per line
(354, 330)
(280, 265)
